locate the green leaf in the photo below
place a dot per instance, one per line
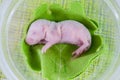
(32, 56)
(42, 12)
(58, 13)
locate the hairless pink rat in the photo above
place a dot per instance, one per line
(50, 33)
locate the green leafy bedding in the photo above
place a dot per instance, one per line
(56, 63)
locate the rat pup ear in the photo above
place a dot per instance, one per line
(44, 29)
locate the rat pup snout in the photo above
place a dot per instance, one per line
(30, 41)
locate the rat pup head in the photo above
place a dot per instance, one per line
(36, 33)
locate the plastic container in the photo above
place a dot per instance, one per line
(15, 14)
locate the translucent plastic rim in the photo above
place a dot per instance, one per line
(3, 63)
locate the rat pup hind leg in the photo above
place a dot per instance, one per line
(83, 47)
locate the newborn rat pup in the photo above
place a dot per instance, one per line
(50, 33)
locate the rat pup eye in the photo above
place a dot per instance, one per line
(33, 33)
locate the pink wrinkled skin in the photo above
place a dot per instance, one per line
(50, 33)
